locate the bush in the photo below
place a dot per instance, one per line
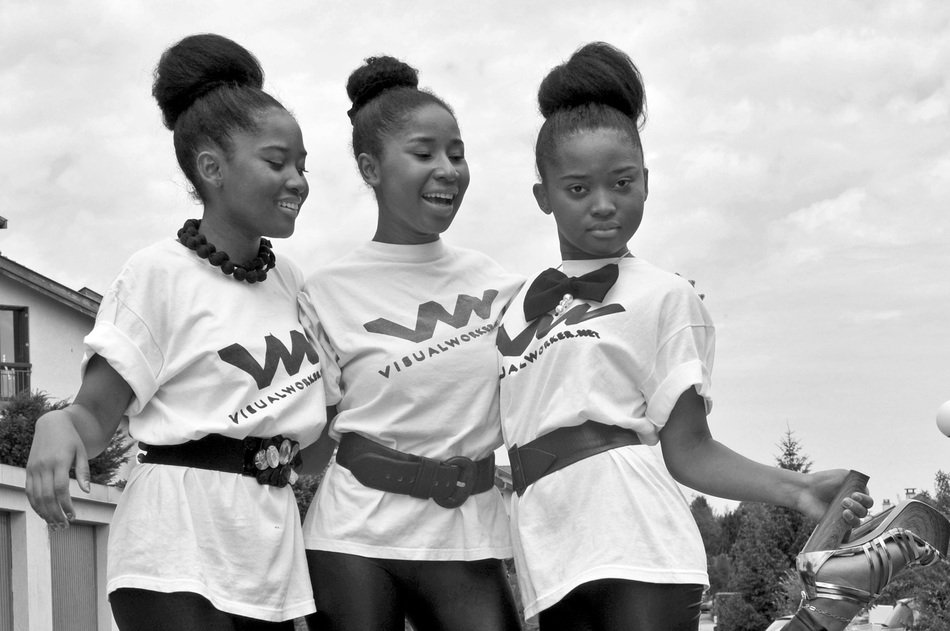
(304, 490)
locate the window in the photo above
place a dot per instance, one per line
(14, 350)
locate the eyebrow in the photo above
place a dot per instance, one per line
(617, 171)
(282, 148)
(454, 141)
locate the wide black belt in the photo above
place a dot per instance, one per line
(448, 482)
(270, 460)
(562, 447)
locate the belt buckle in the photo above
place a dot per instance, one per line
(464, 483)
(271, 460)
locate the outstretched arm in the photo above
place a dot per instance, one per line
(698, 461)
(67, 438)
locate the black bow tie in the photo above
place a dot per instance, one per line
(549, 288)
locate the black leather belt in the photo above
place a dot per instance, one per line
(562, 447)
(448, 482)
(270, 460)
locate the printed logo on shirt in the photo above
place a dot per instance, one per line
(419, 356)
(543, 325)
(430, 313)
(276, 353)
(275, 396)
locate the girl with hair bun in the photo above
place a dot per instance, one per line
(199, 344)
(407, 522)
(605, 389)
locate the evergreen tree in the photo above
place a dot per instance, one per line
(791, 456)
(792, 527)
(18, 421)
(942, 487)
(718, 565)
(757, 564)
(766, 542)
(709, 528)
(729, 527)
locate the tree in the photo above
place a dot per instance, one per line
(791, 456)
(757, 564)
(709, 528)
(719, 567)
(942, 487)
(730, 524)
(736, 614)
(766, 539)
(793, 528)
(17, 424)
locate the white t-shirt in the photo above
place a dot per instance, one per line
(204, 354)
(409, 333)
(624, 362)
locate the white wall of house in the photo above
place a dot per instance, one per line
(56, 334)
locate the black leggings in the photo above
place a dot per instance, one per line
(358, 593)
(619, 605)
(144, 610)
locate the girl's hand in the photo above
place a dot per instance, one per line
(56, 449)
(65, 439)
(821, 490)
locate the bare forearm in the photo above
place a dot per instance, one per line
(695, 459)
(710, 467)
(95, 432)
(98, 408)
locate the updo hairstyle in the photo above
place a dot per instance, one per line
(208, 87)
(599, 87)
(384, 92)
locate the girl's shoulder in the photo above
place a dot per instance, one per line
(159, 255)
(476, 270)
(649, 284)
(153, 263)
(646, 272)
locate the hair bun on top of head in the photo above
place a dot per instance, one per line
(596, 73)
(197, 65)
(376, 76)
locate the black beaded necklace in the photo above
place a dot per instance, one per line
(254, 271)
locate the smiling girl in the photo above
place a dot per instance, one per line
(407, 521)
(605, 388)
(199, 344)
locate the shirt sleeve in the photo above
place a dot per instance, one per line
(123, 337)
(684, 354)
(329, 362)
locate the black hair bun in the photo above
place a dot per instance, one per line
(197, 65)
(596, 73)
(377, 75)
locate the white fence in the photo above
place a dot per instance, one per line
(53, 580)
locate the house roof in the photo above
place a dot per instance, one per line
(85, 301)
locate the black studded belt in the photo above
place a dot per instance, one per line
(562, 447)
(270, 460)
(448, 482)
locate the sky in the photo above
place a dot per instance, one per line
(799, 157)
